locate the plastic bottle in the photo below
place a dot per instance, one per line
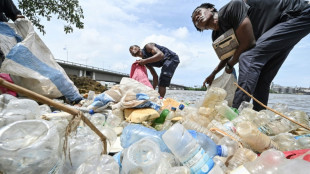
(187, 150)
(244, 105)
(171, 114)
(230, 144)
(241, 156)
(167, 124)
(179, 111)
(304, 142)
(161, 119)
(189, 124)
(301, 117)
(209, 145)
(267, 162)
(218, 125)
(296, 166)
(253, 137)
(144, 156)
(286, 142)
(213, 96)
(226, 111)
(276, 127)
(102, 163)
(134, 132)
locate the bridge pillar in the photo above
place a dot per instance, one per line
(81, 73)
(94, 76)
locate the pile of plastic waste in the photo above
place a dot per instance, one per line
(147, 134)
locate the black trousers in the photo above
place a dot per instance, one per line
(8, 10)
(259, 65)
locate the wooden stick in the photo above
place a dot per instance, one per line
(282, 115)
(45, 100)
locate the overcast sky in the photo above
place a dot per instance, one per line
(111, 26)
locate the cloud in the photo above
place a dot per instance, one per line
(181, 33)
(112, 26)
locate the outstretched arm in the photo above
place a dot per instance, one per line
(211, 77)
(157, 54)
(245, 36)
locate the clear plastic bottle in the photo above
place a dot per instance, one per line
(253, 137)
(187, 149)
(218, 125)
(286, 142)
(241, 156)
(189, 124)
(244, 105)
(303, 142)
(267, 162)
(144, 156)
(209, 145)
(301, 117)
(225, 111)
(102, 163)
(167, 124)
(276, 127)
(213, 96)
(134, 132)
(230, 144)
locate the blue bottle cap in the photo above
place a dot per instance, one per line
(91, 112)
(222, 150)
(181, 106)
(173, 109)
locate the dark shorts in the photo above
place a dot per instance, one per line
(167, 71)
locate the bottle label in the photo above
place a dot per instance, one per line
(265, 129)
(200, 163)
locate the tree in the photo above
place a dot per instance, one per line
(67, 10)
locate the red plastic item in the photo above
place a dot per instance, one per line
(296, 153)
(139, 73)
(4, 90)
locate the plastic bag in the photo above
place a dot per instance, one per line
(139, 73)
(31, 64)
(226, 82)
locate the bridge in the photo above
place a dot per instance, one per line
(99, 74)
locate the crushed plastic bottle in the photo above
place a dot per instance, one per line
(276, 127)
(241, 156)
(253, 137)
(244, 105)
(99, 164)
(214, 96)
(144, 156)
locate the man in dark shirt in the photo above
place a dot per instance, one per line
(267, 30)
(9, 11)
(154, 55)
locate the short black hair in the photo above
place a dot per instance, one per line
(204, 5)
(133, 46)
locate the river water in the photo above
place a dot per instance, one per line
(293, 101)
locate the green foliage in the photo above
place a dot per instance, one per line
(67, 10)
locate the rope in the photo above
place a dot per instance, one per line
(282, 115)
(77, 115)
